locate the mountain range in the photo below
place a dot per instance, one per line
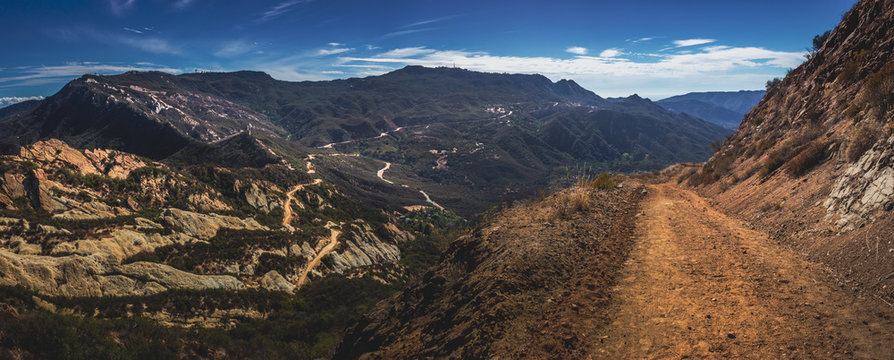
(724, 108)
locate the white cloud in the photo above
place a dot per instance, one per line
(406, 52)
(6, 101)
(577, 50)
(135, 31)
(326, 52)
(729, 68)
(692, 42)
(235, 48)
(644, 39)
(608, 53)
(335, 44)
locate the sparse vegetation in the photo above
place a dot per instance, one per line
(860, 140)
(810, 156)
(880, 90)
(772, 83)
(603, 181)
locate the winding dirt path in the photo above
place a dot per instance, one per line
(381, 173)
(287, 213)
(326, 250)
(699, 284)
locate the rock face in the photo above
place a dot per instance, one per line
(811, 163)
(363, 248)
(100, 275)
(205, 226)
(866, 187)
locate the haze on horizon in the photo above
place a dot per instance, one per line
(653, 48)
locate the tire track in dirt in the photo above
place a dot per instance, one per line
(288, 214)
(699, 284)
(326, 250)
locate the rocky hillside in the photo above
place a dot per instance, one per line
(114, 236)
(516, 286)
(811, 163)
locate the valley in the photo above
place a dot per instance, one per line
(437, 212)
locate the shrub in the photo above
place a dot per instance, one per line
(772, 83)
(773, 162)
(603, 181)
(860, 140)
(880, 90)
(810, 156)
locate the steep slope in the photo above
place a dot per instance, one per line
(513, 286)
(811, 164)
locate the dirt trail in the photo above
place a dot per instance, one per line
(290, 196)
(381, 173)
(699, 284)
(326, 250)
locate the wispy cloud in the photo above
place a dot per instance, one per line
(407, 32)
(49, 74)
(6, 101)
(429, 21)
(326, 52)
(152, 45)
(280, 9)
(182, 4)
(335, 44)
(135, 31)
(405, 52)
(577, 50)
(121, 7)
(692, 42)
(235, 48)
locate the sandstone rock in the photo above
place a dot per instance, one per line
(52, 230)
(146, 224)
(14, 184)
(18, 245)
(205, 226)
(273, 281)
(121, 243)
(90, 210)
(53, 149)
(256, 198)
(171, 278)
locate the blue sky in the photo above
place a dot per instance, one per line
(615, 48)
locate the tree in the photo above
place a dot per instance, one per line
(772, 83)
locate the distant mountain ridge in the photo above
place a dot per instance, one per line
(724, 108)
(493, 134)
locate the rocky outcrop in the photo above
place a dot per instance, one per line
(865, 187)
(273, 281)
(361, 247)
(205, 226)
(121, 243)
(260, 200)
(100, 275)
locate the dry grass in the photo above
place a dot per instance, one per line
(860, 140)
